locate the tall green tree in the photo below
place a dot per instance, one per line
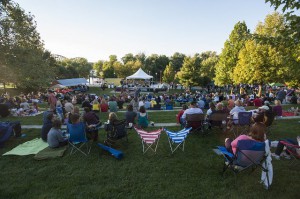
(169, 74)
(128, 57)
(229, 56)
(98, 67)
(189, 74)
(265, 62)
(177, 60)
(209, 61)
(127, 69)
(23, 60)
(290, 9)
(108, 66)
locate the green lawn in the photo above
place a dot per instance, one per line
(194, 173)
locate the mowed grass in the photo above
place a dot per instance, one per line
(194, 173)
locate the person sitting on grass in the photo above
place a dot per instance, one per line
(279, 149)
(143, 120)
(92, 123)
(103, 106)
(47, 125)
(55, 137)
(257, 133)
(130, 115)
(112, 104)
(277, 109)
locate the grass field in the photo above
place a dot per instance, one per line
(194, 173)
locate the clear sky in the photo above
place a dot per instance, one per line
(95, 29)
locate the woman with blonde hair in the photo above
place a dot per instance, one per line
(103, 106)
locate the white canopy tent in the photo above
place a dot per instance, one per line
(140, 74)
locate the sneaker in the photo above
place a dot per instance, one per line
(285, 155)
(277, 157)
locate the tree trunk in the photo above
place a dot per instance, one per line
(4, 87)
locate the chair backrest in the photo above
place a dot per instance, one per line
(178, 137)
(120, 129)
(148, 137)
(244, 118)
(269, 118)
(218, 116)
(77, 132)
(292, 149)
(195, 117)
(250, 152)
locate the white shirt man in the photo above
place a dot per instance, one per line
(69, 107)
(192, 110)
(235, 111)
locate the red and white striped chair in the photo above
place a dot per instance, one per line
(149, 139)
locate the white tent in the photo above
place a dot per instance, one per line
(140, 74)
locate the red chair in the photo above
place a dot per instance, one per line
(293, 150)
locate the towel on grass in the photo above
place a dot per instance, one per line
(48, 153)
(31, 147)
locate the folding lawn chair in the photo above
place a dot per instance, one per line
(242, 124)
(177, 139)
(292, 150)
(196, 121)
(149, 139)
(218, 120)
(250, 154)
(77, 136)
(116, 131)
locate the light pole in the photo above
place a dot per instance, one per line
(156, 76)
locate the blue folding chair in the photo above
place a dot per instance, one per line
(242, 124)
(250, 154)
(77, 137)
(177, 139)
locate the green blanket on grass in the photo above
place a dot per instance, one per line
(31, 147)
(48, 153)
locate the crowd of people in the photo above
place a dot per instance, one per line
(64, 109)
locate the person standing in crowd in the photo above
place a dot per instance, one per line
(52, 100)
(281, 95)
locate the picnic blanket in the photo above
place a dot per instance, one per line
(49, 153)
(31, 147)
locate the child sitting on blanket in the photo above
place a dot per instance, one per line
(55, 137)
